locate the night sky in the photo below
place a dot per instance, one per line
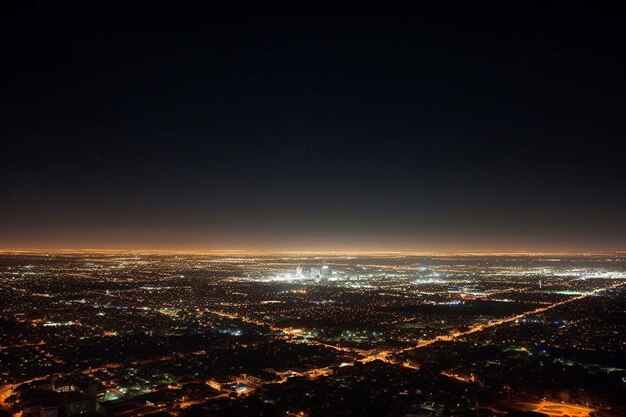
(483, 126)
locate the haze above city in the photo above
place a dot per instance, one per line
(475, 127)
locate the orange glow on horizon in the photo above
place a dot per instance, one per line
(315, 251)
(303, 251)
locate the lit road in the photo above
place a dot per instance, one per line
(479, 328)
(551, 408)
(288, 332)
(387, 355)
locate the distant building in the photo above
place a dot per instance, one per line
(75, 404)
(64, 385)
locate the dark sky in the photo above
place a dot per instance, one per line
(457, 126)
